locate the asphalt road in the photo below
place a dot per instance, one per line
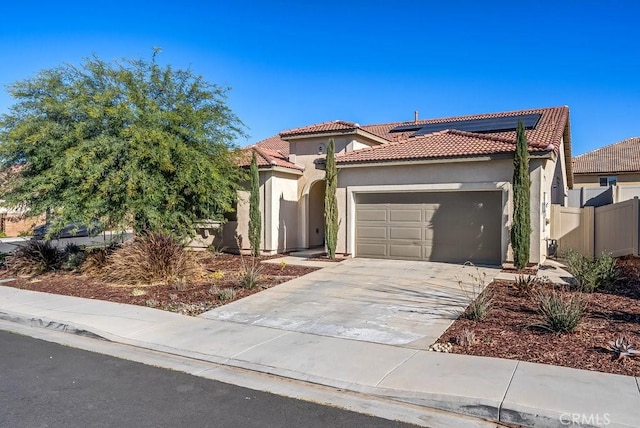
(44, 384)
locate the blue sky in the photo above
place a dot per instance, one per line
(294, 63)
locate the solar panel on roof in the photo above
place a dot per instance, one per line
(492, 124)
(406, 128)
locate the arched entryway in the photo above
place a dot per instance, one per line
(315, 224)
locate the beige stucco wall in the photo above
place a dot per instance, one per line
(237, 232)
(593, 180)
(283, 221)
(559, 184)
(542, 177)
(304, 152)
(279, 208)
(489, 175)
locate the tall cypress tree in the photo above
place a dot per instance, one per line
(521, 229)
(330, 201)
(255, 219)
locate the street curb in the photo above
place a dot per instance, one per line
(507, 410)
(464, 406)
(42, 322)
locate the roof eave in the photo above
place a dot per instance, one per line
(566, 138)
(474, 158)
(337, 133)
(333, 133)
(278, 168)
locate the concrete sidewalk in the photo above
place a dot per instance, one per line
(493, 389)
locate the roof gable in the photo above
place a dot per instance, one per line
(265, 158)
(334, 126)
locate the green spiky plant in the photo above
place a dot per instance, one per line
(521, 229)
(331, 222)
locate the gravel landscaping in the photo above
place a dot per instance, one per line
(220, 284)
(513, 328)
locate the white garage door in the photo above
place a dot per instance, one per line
(434, 226)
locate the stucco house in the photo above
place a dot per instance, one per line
(435, 189)
(617, 164)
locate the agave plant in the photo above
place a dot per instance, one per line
(623, 348)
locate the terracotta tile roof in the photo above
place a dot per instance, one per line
(547, 134)
(265, 158)
(548, 131)
(275, 143)
(619, 157)
(444, 144)
(336, 125)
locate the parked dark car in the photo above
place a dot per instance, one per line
(72, 230)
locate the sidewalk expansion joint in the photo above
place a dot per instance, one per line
(396, 367)
(506, 391)
(258, 344)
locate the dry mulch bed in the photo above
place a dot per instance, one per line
(511, 330)
(223, 269)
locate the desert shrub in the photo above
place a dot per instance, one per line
(74, 256)
(217, 275)
(466, 338)
(560, 314)
(97, 258)
(606, 270)
(251, 273)
(591, 273)
(480, 307)
(479, 298)
(3, 259)
(152, 258)
(2, 234)
(216, 249)
(34, 258)
(227, 293)
(526, 285)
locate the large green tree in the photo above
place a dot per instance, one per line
(131, 143)
(330, 201)
(521, 228)
(255, 219)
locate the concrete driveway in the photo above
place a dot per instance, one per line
(393, 302)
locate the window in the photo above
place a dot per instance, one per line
(608, 181)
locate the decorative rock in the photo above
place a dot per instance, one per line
(441, 347)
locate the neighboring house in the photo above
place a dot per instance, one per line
(616, 164)
(607, 175)
(15, 221)
(437, 189)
